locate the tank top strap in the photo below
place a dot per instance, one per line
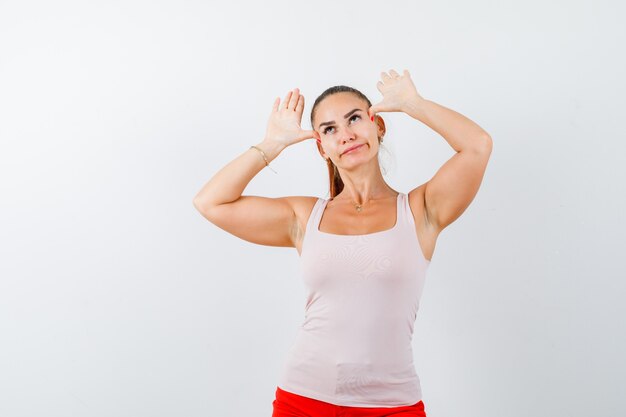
(404, 211)
(404, 215)
(315, 217)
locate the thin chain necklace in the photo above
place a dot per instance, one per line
(359, 207)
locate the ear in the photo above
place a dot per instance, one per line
(318, 142)
(319, 148)
(380, 123)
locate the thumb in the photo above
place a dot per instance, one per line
(373, 110)
(308, 134)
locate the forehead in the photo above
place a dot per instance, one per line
(340, 103)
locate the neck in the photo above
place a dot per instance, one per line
(363, 184)
(361, 198)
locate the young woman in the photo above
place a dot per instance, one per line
(364, 251)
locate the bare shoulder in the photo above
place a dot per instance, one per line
(302, 205)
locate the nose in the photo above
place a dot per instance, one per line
(346, 134)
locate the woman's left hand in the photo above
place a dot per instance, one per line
(398, 92)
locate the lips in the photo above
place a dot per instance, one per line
(352, 148)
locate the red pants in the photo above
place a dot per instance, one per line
(288, 404)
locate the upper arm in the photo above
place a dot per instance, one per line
(262, 220)
(454, 186)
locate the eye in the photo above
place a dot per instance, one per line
(325, 131)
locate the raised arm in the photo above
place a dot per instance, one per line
(453, 187)
(261, 220)
(446, 196)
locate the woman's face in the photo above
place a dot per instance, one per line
(341, 120)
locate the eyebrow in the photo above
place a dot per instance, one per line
(345, 117)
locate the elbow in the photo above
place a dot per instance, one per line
(487, 143)
(197, 203)
(481, 146)
(202, 207)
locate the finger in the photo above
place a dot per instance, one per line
(394, 74)
(300, 106)
(406, 73)
(372, 111)
(286, 101)
(275, 106)
(309, 134)
(294, 99)
(384, 76)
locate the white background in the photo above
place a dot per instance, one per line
(117, 298)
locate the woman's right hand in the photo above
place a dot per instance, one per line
(284, 122)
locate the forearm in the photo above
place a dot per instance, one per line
(228, 183)
(459, 131)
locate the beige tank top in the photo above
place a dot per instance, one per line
(362, 297)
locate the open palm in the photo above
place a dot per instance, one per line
(398, 93)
